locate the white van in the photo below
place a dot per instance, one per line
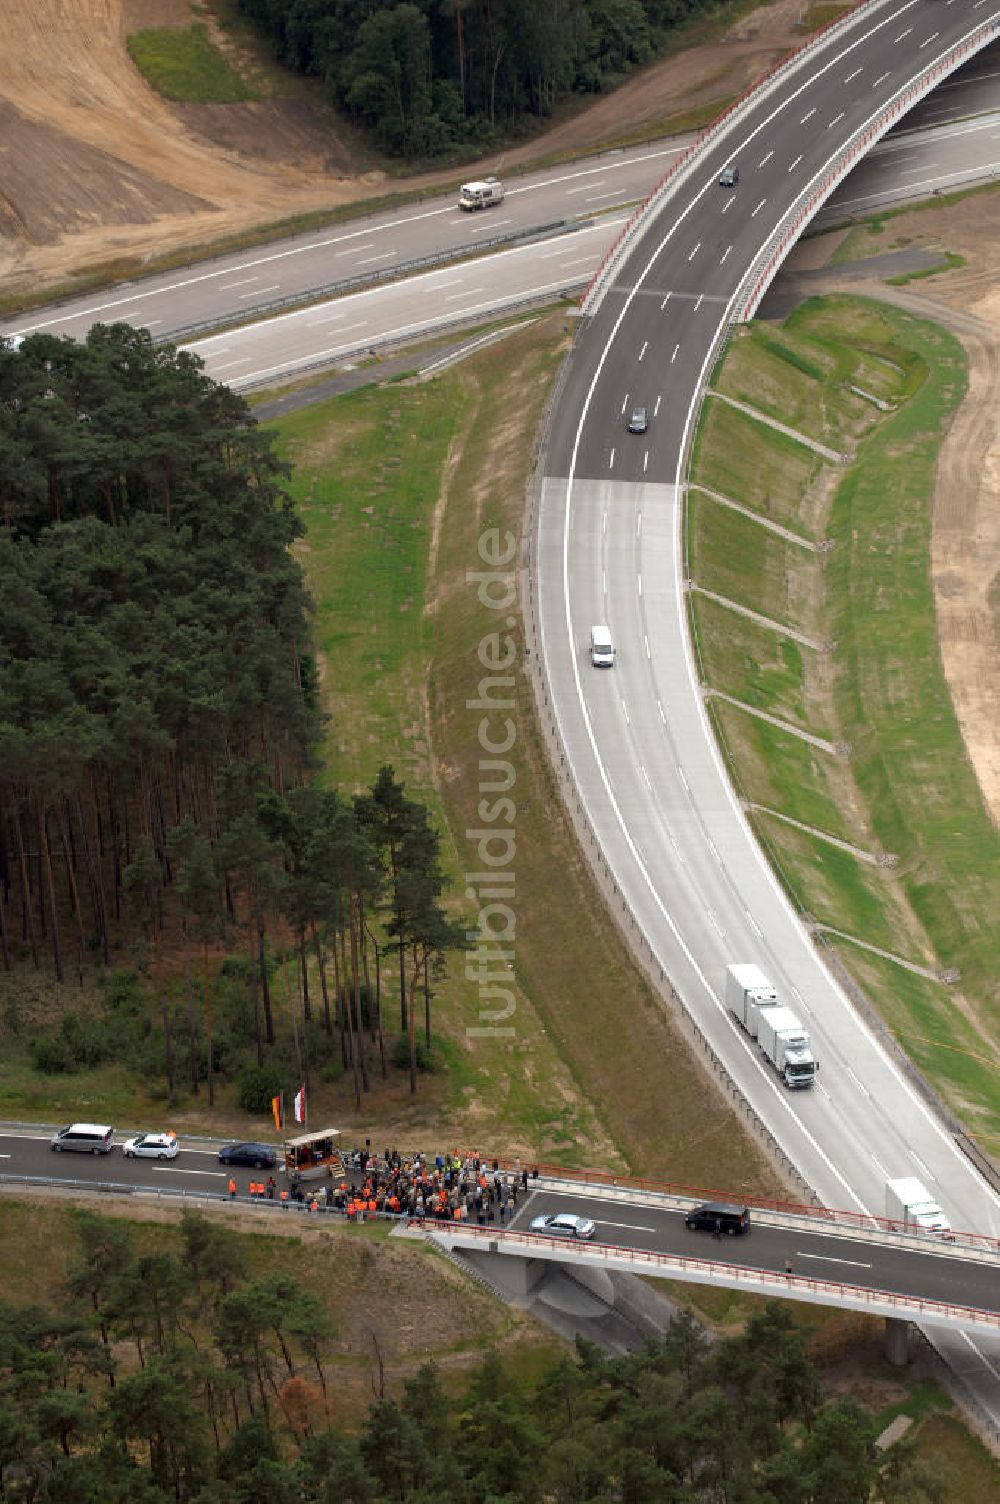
(481, 195)
(602, 653)
(84, 1138)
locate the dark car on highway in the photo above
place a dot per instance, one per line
(258, 1156)
(729, 176)
(719, 1217)
(638, 421)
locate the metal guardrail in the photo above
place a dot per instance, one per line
(395, 273)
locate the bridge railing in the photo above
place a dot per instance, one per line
(789, 1285)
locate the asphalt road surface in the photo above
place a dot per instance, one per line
(928, 1272)
(643, 758)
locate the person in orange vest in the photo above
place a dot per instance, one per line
(372, 1207)
(254, 1189)
(284, 1197)
(232, 1188)
(314, 1205)
(351, 1210)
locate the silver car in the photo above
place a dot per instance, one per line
(563, 1225)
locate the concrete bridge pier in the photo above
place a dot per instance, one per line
(897, 1341)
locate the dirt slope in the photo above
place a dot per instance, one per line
(96, 167)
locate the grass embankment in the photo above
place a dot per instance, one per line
(397, 487)
(896, 781)
(185, 65)
(370, 1286)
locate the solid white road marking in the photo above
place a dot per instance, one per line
(760, 206)
(754, 925)
(795, 164)
(628, 1226)
(728, 204)
(646, 641)
(807, 116)
(176, 1170)
(725, 254)
(701, 299)
(827, 1258)
(656, 409)
(880, 80)
(666, 300)
(611, 461)
(645, 462)
(645, 347)
(693, 253)
(836, 119)
(674, 356)
(847, 80)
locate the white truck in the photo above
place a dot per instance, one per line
(910, 1207)
(747, 991)
(786, 1044)
(480, 195)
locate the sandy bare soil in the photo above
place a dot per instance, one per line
(96, 168)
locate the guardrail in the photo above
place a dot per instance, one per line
(395, 273)
(706, 1271)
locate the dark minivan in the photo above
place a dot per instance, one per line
(719, 1216)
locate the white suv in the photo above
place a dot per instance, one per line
(151, 1146)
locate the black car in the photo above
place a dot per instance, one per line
(638, 421)
(259, 1156)
(719, 1217)
(729, 176)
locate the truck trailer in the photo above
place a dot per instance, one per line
(747, 992)
(786, 1044)
(910, 1207)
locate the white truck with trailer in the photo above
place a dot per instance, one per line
(480, 195)
(747, 991)
(910, 1207)
(753, 1001)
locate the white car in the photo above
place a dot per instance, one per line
(151, 1146)
(563, 1225)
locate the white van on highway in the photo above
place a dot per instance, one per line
(481, 195)
(602, 652)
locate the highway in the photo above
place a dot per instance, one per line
(643, 759)
(905, 1266)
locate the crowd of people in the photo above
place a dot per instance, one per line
(450, 1187)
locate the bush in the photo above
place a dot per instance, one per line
(258, 1084)
(401, 1054)
(52, 1056)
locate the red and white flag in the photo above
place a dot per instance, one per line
(300, 1105)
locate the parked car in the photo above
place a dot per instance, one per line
(563, 1225)
(258, 1156)
(721, 1216)
(729, 176)
(639, 420)
(151, 1146)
